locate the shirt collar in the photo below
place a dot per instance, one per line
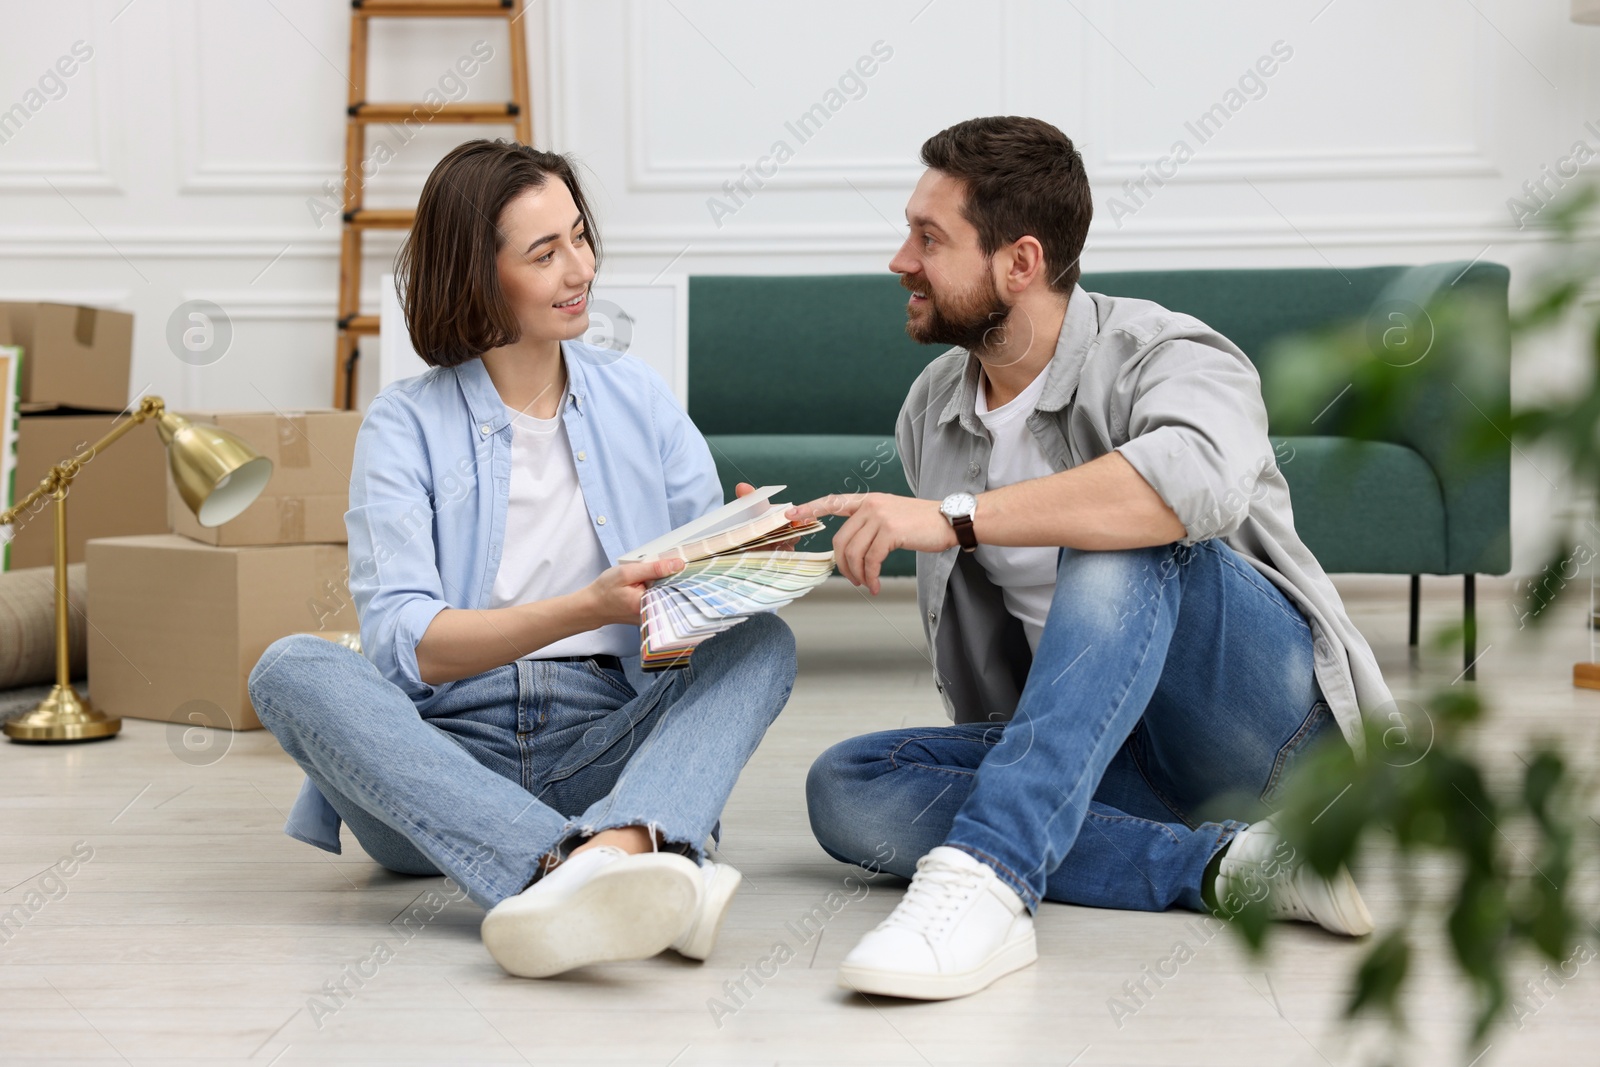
(1079, 329)
(483, 399)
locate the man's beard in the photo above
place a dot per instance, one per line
(974, 320)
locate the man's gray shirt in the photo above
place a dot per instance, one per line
(1183, 405)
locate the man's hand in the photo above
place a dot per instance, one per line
(877, 524)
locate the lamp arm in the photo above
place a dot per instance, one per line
(60, 476)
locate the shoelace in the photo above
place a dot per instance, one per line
(937, 891)
(1287, 900)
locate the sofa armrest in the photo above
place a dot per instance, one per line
(1458, 413)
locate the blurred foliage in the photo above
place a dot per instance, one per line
(1484, 855)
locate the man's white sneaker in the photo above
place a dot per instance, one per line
(1258, 858)
(718, 883)
(601, 904)
(957, 930)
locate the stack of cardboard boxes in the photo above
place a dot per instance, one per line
(180, 618)
(76, 364)
(178, 613)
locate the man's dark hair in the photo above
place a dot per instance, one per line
(449, 284)
(1022, 177)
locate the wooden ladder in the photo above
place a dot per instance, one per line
(353, 325)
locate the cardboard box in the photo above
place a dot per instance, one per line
(305, 501)
(74, 356)
(177, 626)
(118, 492)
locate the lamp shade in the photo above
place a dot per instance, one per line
(1586, 11)
(217, 474)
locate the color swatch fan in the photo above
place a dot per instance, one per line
(734, 568)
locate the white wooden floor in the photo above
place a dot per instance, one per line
(199, 933)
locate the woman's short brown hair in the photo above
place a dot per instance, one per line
(445, 271)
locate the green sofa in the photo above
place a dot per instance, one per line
(798, 379)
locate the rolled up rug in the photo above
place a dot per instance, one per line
(28, 625)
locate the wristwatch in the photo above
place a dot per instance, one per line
(959, 509)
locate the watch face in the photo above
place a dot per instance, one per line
(959, 504)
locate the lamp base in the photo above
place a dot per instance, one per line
(62, 716)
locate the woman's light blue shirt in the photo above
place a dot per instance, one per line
(429, 488)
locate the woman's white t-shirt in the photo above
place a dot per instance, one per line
(550, 544)
(1026, 576)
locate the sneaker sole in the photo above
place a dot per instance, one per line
(1012, 957)
(629, 911)
(700, 942)
(1350, 914)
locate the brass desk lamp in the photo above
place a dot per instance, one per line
(218, 476)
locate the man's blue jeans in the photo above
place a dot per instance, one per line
(1169, 682)
(526, 758)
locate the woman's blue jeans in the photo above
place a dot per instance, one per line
(524, 759)
(1170, 685)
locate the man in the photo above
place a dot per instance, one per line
(1124, 625)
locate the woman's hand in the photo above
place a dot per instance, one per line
(615, 596)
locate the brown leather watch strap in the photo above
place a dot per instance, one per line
(964, 533)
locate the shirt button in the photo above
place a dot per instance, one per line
(972, 469)
(933, 616)
(583, 456)
(600, 519)
(484, 427)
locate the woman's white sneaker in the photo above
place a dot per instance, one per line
(718, 883)
(1259, 860)
(957, 930)
(602, 904)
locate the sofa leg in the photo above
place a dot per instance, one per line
(1416, 602)
(1469, 625)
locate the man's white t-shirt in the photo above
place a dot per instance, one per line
(1026, 576)
(551, 548)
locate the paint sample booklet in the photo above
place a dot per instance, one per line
(737, 564)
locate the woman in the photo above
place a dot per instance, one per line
(498, 728)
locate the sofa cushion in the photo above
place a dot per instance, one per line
(800, 355)
(829, 353)
(1254, 308)
(804, 358)
(1364, 506)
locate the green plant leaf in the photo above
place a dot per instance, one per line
(1379, 979)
